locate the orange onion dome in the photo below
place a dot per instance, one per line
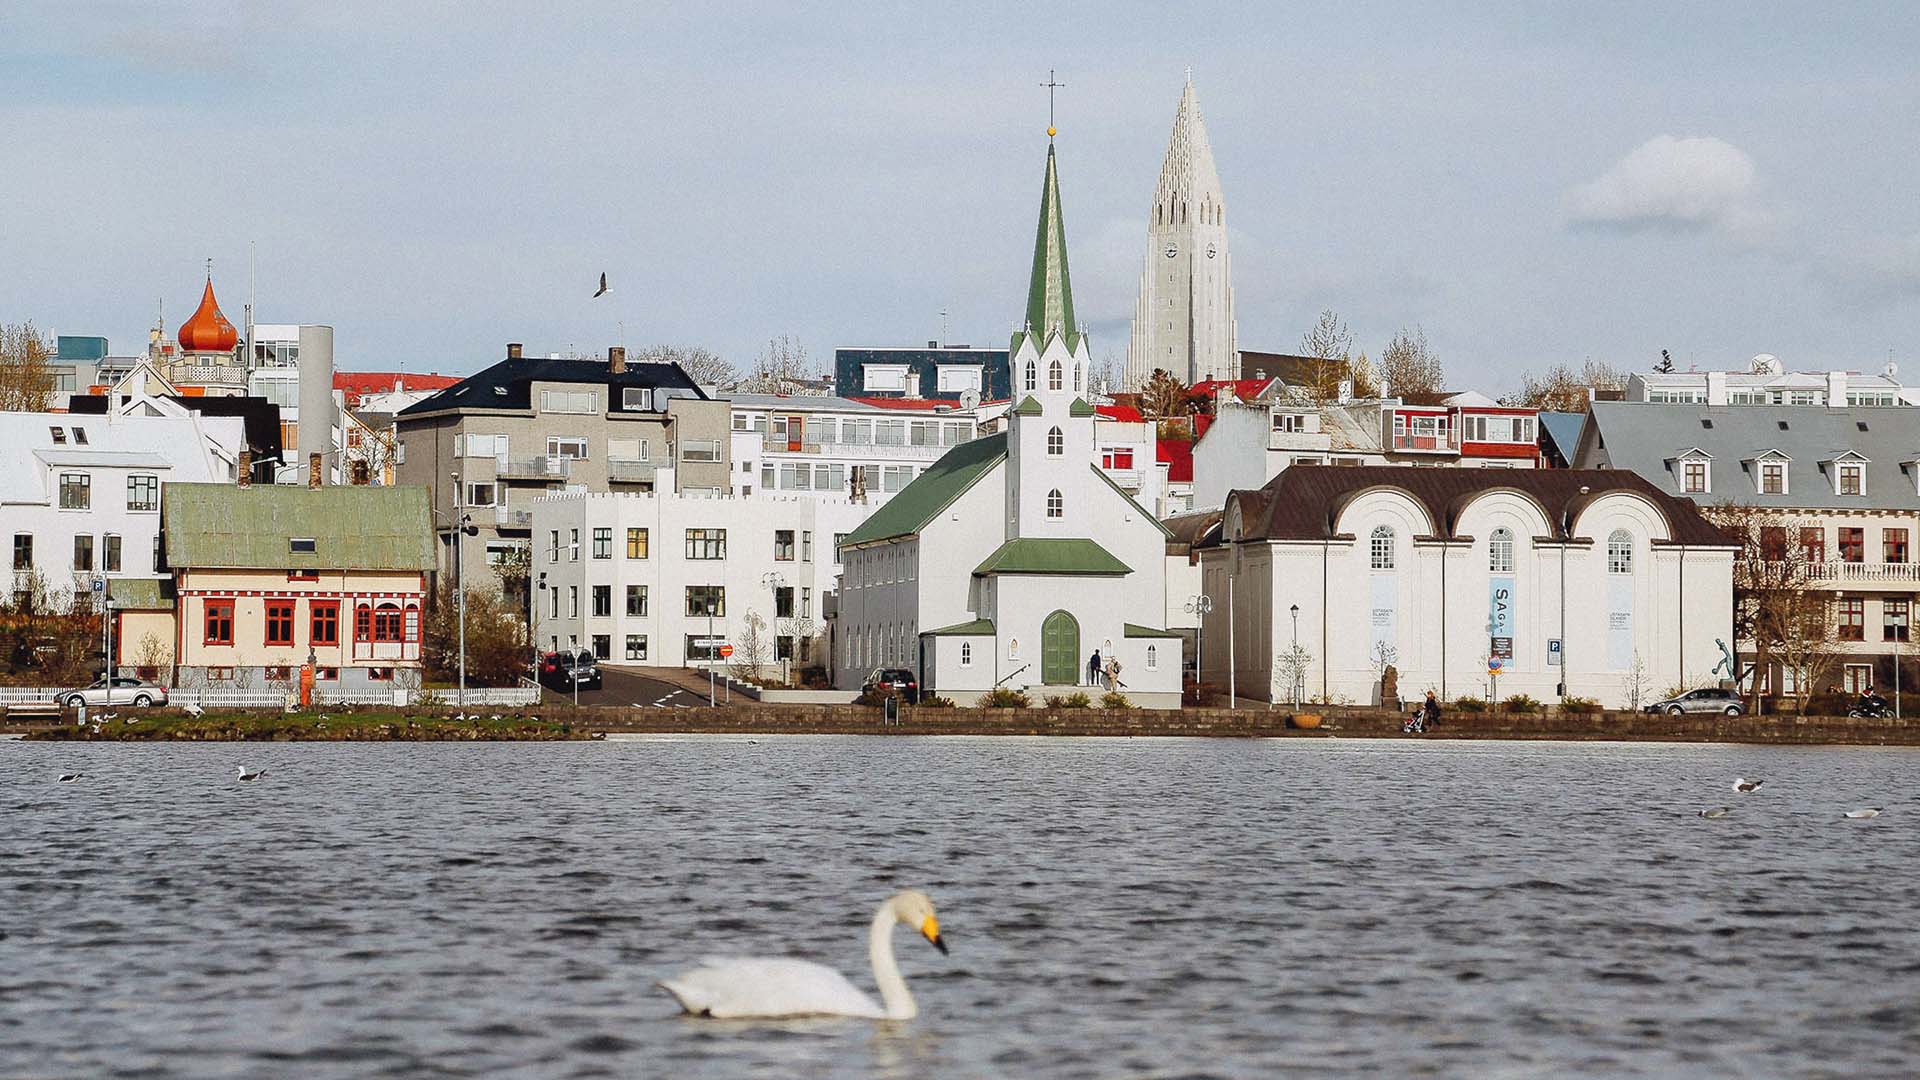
(208, 330)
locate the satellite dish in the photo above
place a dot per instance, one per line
(1765, 364)
(969, 399)
(1893, 370)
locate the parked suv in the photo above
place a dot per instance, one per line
(900, 679)
(561, 670)
(1710, 700)
(125, 691)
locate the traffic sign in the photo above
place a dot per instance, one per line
(709, 642)
(1553, 651)
(726, 651)
(99, 584)
(1494, 664)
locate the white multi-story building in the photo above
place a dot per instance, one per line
(1183, 319)
(80, 498)
(648, 579)
(1767, 382)
(811, 445)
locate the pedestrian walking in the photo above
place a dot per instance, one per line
(1093, 669)
(1431, 711)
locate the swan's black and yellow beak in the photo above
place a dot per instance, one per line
(930, 927)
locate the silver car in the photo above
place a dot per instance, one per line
(125, 691)
(1712, 699)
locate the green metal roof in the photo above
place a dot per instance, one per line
(1164, 531)
(1050, 292)
(976, 628)
(932, 491)
(1044, 555)
(1079, 408)
(352, 528)
(1136, 630)
(141, 594)
(1028, 407)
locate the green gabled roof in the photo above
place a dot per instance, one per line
(1135, 630)
(921, 501)
(1079, 408)
(1050, 291)
(141, 594)
(1029, 407)
(352, 528)
(1164, 531)
(976, 628)
(1043, 555)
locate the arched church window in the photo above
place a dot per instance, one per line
(1056, 443)
(1380, 547)
(1076, 376)
(966, 654)
(1055, 379)
(1056, 505)
(1500, 551)
(1620, 552)
(1032, 378)
(1153, 658)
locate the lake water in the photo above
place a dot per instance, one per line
(1115, 908)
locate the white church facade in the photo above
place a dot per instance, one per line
(1183, 320)
(1014, 558)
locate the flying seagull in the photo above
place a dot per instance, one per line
(243, 774)
(1871, 811)
(69, 777)
(603, 286)
(1743, 785)
(1716, 812)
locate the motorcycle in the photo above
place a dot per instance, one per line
(1876, 709)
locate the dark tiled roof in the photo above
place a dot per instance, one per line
(508, 384)
(259, 418)
(1288, 368)
(1303, 502)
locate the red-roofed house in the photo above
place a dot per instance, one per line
(362, 388)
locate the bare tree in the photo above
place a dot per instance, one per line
(1385, 654)
(1777, 603)
(1409, 366)
(702, 365)
(1636, 681)
(1366, 379)
(1106, 374)
(1164, 396)
(751, 649)
(26, 379)
(1331, 344)
(155, 653)
(1294, 665)
(783, 367)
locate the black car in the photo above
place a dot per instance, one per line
(900, 679)
(563, 671)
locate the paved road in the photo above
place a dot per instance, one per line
(624, 689)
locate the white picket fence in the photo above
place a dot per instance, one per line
(224, 697)
(26, 695)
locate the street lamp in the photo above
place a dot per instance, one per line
(1202, 605)
(774, 582)
(1294, 667)
(463, 526)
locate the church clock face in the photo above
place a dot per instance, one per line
(1212, 251)
(1172, 250)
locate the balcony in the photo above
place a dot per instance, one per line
(512, 519)
(1431, 444)
(630, 471)
(1904, 577)
(540, 469)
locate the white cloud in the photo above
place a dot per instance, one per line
(1671, 183)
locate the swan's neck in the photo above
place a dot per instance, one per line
(886, 974)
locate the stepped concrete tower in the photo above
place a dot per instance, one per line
(1183, 321)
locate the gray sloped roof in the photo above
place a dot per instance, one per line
(1563, 430)
(1644, 437)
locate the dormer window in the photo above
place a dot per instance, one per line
(1853, 479)
(1773, 478)
(1848, 471)
(1693, 477)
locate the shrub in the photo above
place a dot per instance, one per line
(1076, 700)
(935, 701)
(1001, 697)
(1114, 699)
(1199, 693)
(875, 696)
(1829, 704)
(1579, 705)
(1520, 703)
(1469, 705)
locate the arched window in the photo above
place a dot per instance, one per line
(1056, 443)
(1013, 648)
(1032, 377)
(1153, 658)
(1076, 376)
(966, 654)
(1381, 547)
(1056, 506)
(1054, 381)
(1620, 552)
(1500, 551)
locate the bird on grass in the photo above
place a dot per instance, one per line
(603, 286)
(1716, 811)
(781, 987)
(1745, 786)
(242, 773)
(1869, 812)
(70, 777)
(192, 710)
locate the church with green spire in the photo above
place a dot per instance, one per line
(1014, 562)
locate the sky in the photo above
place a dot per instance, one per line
(1529, 183)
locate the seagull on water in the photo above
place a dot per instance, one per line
(1869, 812)
(242, 773)
(69, 777)
(1716, 811)
(1744, 786)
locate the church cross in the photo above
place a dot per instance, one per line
(1051, 85)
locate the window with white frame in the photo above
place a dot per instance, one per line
(1620, 552)
(481, 494)
(559, 446)
(1153, 658)
(966, 654)
(1032, 381)
(883, 377)
(1852, 478)
(1773, 478)
(478, 446)
(1291, 423)
(1056, 505)
(958, 378)
(699, 450)
(143, 492)
(1500, 551)
(1380, 547)
(636, 646)
(643, 399)
(1693, 476)
(1054, 376)
(569, 401)
(1056, 443)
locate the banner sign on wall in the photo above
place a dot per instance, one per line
(1500, 599)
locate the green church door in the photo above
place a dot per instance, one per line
(1060, 650)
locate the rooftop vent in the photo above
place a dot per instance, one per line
(300, 545)
(1706, 423)
(1783, 425)
(1861, 424)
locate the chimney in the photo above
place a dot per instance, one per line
(513, 350)
(243, 475)
(313, 471)
(616, 359)
(1836, 389)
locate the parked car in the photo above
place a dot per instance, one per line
(562, 671)
(1710, 700)
(125, 691)
(900, 679)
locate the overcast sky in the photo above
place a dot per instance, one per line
(1553, 182)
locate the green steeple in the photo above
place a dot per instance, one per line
(1050, 293)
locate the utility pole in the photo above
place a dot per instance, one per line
(1233, 701)
(459, 583)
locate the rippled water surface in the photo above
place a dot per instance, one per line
(1115, 908)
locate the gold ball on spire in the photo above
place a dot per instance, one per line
(1051, 133)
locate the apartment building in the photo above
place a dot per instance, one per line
(811, 446)
(1767, 382)
(488, 446)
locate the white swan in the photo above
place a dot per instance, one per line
(778, 987)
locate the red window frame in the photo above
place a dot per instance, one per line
(279, 624)
(1893, 545)
(1853, 545)
(323, 618)
(363, 623)
(217, 623)
(1814, 543)
(389, 623)
(1853, 619)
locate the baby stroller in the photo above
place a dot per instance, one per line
(1416, 722)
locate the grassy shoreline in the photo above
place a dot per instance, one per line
(386, 726)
